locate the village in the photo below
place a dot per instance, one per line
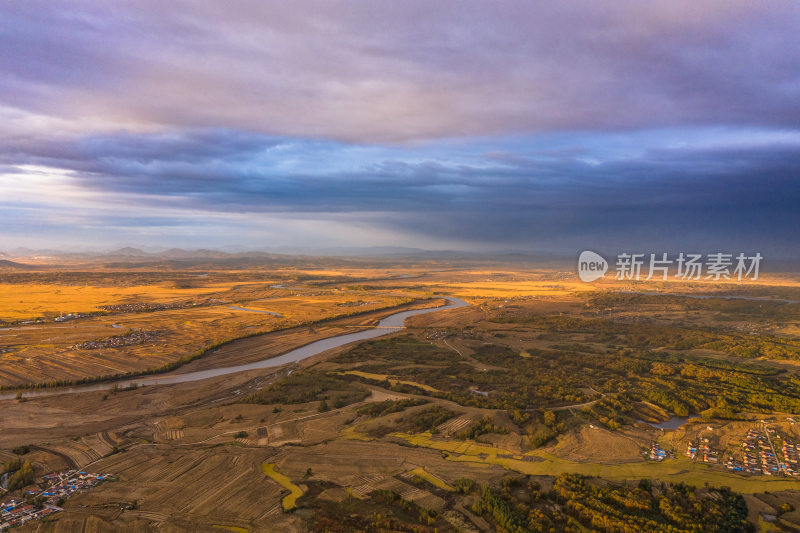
(765, 452)
(54, 489)
(133, 338)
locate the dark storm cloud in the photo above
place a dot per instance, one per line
(532, 191)
(442, 124)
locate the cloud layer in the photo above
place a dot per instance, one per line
(550, 126)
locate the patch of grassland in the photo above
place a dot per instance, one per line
(289, 501)
(235, 529)
(389, 406)
(421, 420)
(351, 433)
(21, 301)
(433, 480)
(385, 377)
(675, 470)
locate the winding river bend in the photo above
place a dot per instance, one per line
(388, 325)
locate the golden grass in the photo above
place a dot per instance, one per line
(289, 502)
(365, 375)
(45, 352)
(31, 300)
(353, 494)
(673, 470)
(235, 529)
(433, 480)
(393, 381)
(766, 527)
(351, 433)
(503, 289)
(506, 284)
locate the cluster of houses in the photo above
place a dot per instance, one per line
(65, 483)
(702, 452)
(71, 316)
(437, 334)
(657, 453)
(131, 339)
(356, 303)
(15, 513)
(140, 307)
(791, 457)
(759, 457)
(54, 489)
(767, 453)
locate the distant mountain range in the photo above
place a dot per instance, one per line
(132, 256)
(5, 263)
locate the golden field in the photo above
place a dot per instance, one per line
(195, 456)
(30, 300)
(178, 322)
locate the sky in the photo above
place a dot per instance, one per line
(540, 127)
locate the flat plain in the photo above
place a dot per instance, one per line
(542, 391)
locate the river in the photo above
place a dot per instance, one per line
(673, 423)
(388, 325)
